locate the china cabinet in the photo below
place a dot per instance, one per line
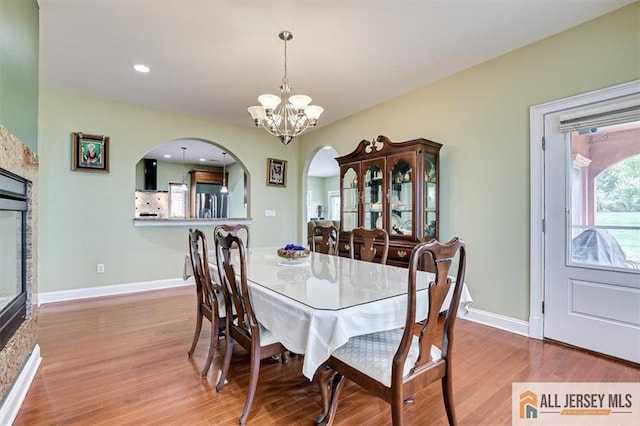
(393, 186)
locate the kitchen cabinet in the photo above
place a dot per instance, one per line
(393, 186)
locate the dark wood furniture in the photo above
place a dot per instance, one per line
(210, 297)
(393, 365)
(244, 329)
(234, 230)
(327, 232)
(393, 186)
(314, 222)
(373, 247)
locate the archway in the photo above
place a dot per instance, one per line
(163, 169)
(323, 187)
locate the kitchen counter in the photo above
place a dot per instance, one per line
(189, 221)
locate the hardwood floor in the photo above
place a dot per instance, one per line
(123, 360)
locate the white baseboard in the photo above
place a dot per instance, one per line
(498, 321)
(110, 290)
(15, 397)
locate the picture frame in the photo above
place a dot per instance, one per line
(89, 153)
(276, 172)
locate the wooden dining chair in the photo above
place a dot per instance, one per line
(210, 296)
(394, 365)
(326, 243)
(372, 242)
(245, 328)
(342, 247)
(234, 230)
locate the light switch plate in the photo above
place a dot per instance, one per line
(269, 213)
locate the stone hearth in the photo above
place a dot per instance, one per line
(17, 158)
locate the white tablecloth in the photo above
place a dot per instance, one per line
(316, 333)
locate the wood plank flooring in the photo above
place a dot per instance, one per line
(123, 361)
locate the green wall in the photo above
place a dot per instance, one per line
(87, 217)
(320, 187)
(481, 115)
(19, 69)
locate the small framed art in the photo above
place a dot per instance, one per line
(276, 172)
(89, 152)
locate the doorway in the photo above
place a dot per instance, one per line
(588, 239)
(322, 180)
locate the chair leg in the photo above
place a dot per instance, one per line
(447, 395)
(254, 370)
(196, 335)
(228, 346)
(334, 387)
(323, 375)
(213, 343)
(396, 412)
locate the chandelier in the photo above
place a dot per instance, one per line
(285, 116)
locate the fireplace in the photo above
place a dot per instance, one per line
(13, 291)
(19, 350)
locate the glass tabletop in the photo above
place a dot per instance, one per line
(326, 282)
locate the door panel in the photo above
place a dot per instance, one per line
(591, 287)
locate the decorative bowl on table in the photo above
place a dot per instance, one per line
(293, 254)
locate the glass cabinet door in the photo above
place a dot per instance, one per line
(373, 196)
(350, 198)
(430, 195)
(401, 198)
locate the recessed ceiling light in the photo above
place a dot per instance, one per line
(141, 68)
(167, 156)
(203, 159)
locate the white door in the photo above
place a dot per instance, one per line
(591, 245)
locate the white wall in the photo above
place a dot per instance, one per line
(481, 115)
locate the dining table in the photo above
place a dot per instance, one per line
(316, 304)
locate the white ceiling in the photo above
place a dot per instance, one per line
(324, 164)
(212, 58)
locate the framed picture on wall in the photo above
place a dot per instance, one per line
(90, 152)
(276, 172)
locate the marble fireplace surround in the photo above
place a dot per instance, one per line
(17, 158)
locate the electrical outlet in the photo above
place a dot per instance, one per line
(100, 268)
